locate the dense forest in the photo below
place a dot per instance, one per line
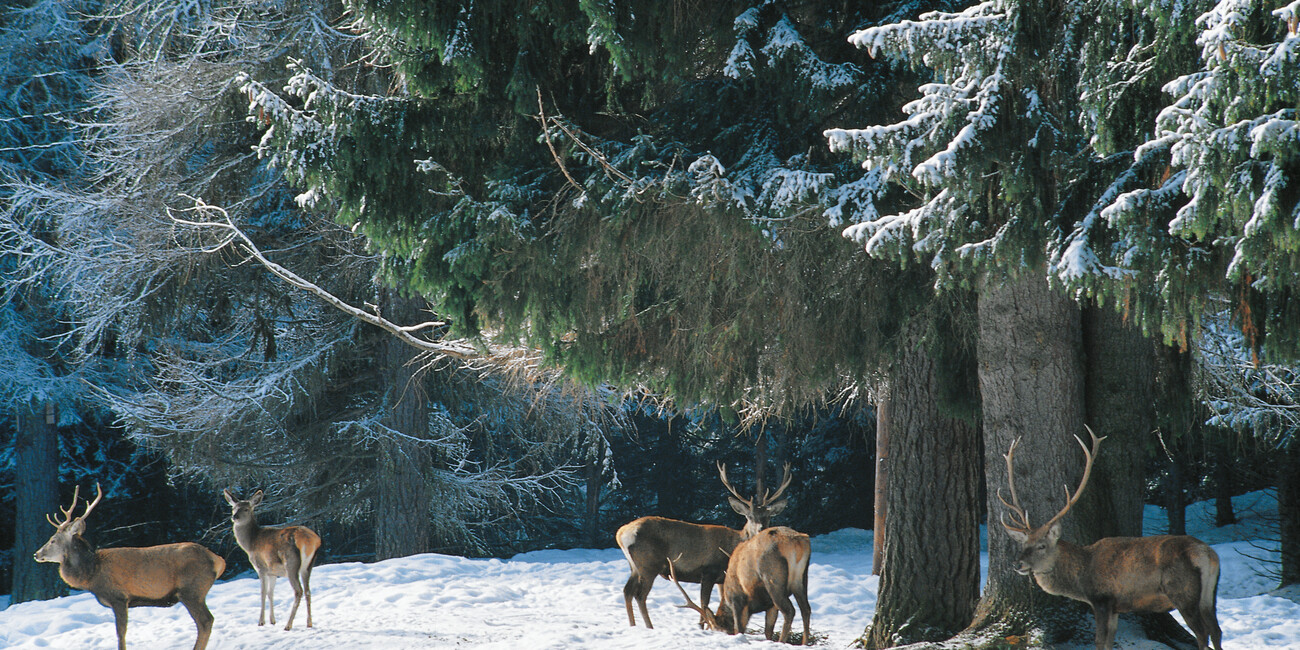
(483, 277)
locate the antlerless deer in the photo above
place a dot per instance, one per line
(121, 578)
(289, 551)
(1117, 574)
(700, 552)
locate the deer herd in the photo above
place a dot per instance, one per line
(757, 567)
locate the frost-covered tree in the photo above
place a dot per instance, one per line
(990, 166)
(571, 179)
(240, 379)
(47, 58)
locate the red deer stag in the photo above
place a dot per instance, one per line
(121, 578)
(1117, 574)
(289, 551)
(700, 552)
(764, 571)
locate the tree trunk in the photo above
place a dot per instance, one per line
(402, 519)
(1288, 510)
(595, 481)
(36, 486)
(1223, 512)
(1031, 387)
(1120, 398)
(929, 580)
(882, 478)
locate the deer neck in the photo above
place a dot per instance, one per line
(1064, 579)
(247, 532)
(80, 564)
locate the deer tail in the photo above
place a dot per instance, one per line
(1208, 563)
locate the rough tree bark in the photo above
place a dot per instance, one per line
(929, 580)
(1120, 399)
(1031, 387)
(1288, 508)
(882, 477)
(37, 495)
(402, 521)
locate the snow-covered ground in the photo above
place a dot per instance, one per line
(573, 599)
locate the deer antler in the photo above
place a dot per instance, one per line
(1015, 507)
(1018, 511)
(709, 619)
(1089, 457)
(768, 497)
(722, 471)
(67, 512)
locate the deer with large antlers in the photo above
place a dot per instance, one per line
(121, 578)
(764, 571)
(699, 552)
(287, 551)
(1117, 574)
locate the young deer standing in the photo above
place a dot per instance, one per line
(288, 551)
(699, 552)
(1118, 574)
(121, 578)
(764, 571)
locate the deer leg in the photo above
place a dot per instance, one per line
(805, 610)
(1193, 619)
(203, 619)
(1107, 622)
(270, 594)
(706, 590)
(261, 614)
(291, 567)
(119, 619)
(787, 614)
(1211, 624)
(632, 590)
(306, 587)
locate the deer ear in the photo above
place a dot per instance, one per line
(1054, 533)
(739, 506)
(256, 499)
(78, 526)
(776, 508)
(229, 499)
(1018, 536)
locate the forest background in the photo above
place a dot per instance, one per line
(609, 244)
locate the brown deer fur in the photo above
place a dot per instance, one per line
(700, 552)
(1119, 574)
(288, 551)
(121, 578)
(764, 571)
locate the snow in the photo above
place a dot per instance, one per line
(573, 599)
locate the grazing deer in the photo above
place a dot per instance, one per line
(1117, 574)
(289, 551)
(700, 552)
(121, 578)
(764, 571)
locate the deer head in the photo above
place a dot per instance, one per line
(1038, 545)
(68, 529)
(757, 515)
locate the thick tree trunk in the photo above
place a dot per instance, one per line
(1224, 515)
(36, 495)
(1031, 387)
(402, 520)
(883, 427)
(1120, 398)
(929, 582)
(1288, 509)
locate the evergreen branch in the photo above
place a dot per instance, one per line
(541, 114)
(458, 350)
